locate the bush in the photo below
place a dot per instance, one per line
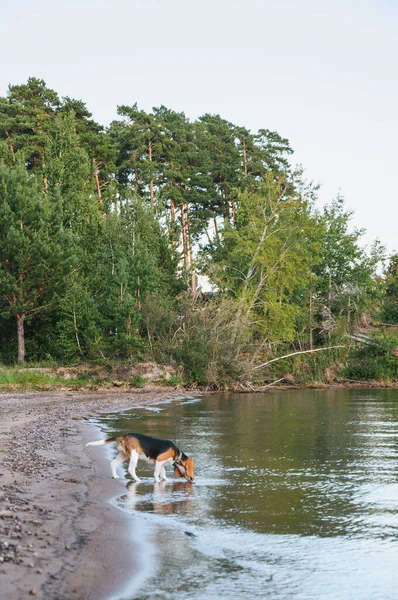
(138, 381)
(373, 362)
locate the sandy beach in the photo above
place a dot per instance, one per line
(60, 538)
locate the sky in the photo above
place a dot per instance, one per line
(322, 74)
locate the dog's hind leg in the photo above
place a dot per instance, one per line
(133, 463)
(120, 457)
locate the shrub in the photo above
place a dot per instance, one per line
(138, 381)
(375, 361)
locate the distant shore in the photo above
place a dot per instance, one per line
(148, 390)
(60, 538)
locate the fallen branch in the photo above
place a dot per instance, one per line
(300, 352)
(263, 387)
(364, 339)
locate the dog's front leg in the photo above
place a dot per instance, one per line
(158, 470)
(163, 473)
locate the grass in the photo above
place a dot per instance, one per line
(360, 362)
(38, 377)
(26, 380)
(138, 381)
(173, 381)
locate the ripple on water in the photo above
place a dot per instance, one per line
(296, 497)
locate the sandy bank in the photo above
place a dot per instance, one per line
(59, 537)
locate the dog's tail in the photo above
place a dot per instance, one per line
(103, 442)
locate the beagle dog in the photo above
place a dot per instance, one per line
(134, 446)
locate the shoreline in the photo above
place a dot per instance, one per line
(238, 388)
(60, 536)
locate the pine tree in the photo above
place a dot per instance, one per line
(70, 175)
(180, 177)
(138, 139)
(220, 138)
(36, 252)
(26, 118)
(95, 140)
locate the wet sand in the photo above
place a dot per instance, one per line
(60, 538)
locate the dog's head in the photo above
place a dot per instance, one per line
(185, 468)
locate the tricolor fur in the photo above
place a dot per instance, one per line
(134, 446)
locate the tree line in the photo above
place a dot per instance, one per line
(106, 232)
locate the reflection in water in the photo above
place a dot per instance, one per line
(163, 499)
(296, 496)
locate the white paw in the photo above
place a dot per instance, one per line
(157, 480)
(115, 476)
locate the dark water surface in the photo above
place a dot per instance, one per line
(296, 497)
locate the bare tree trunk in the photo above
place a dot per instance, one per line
(11, 147)
(43, 161)
(97, 183)
(208, 237)
(172, 221)
(216, 226)
(191, 263)
(21, 338)
(152, 194)
(244, 157)
(128, 326)
(151, 187)
(233, 212)
(330, 302)
(76, 331)
(227, 216)
(311, 340)
(349, 314)
(184, 241)
(138, 292)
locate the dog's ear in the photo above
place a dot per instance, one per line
(190, 467)
(177, 472)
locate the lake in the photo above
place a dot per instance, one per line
(296, 496)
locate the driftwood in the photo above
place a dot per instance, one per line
(363, 339)
(300, 352)
(268, 385)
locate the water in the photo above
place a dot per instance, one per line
(296, 497)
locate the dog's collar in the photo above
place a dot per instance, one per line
(177, 462)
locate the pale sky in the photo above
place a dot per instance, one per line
(322, 74)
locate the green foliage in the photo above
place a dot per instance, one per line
(196, 338)
(174, 380)
(375, 361)
(36, 252)
(346, 286)
(138, 381)
(265, 259)
(389, 313)
(100, 237)
(27, 379)
(306, 369)
(26, 120)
